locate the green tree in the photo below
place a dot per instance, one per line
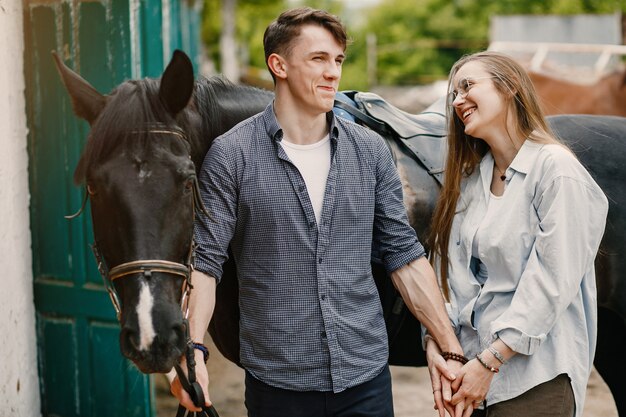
(252, 17)
(418, 40)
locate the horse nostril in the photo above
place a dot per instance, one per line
(130, 339)
(177, 337)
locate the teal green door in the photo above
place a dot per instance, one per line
(82, 372)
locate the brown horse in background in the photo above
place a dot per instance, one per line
(607, 96)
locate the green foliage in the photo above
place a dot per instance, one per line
(417, 40)
(332, 6)
(211, 27)
(253, 16)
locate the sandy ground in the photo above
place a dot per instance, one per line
(411, 392)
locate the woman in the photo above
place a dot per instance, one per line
(515, 233)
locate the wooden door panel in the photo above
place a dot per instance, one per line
(82, 372)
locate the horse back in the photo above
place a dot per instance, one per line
(599, 142)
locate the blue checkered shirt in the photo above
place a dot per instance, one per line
(311, 319)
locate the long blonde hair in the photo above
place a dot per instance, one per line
(465, 152)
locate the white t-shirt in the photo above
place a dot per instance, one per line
(313, 162)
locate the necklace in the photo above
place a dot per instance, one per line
(502, 175)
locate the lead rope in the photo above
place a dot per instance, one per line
(190, 384)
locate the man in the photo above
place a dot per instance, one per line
(300, 196)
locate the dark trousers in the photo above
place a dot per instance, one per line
(554, 398)
(370, 399)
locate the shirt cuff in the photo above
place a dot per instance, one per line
(397, 260)
(519, 341)
(208, 269)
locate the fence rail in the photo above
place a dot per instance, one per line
(541, 49)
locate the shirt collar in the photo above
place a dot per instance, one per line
(522, 163)
(275, 132)
(526, 156)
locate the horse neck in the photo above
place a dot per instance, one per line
(221, 106)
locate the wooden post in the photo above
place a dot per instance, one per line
(372, 59)
(228, 43)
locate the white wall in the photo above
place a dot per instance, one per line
(19, 386)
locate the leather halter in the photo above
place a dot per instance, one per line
(148, 266)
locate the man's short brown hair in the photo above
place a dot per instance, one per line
(279, 35)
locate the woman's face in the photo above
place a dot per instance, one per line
(478, 104)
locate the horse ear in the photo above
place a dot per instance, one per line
(177, 83)
(87, 102)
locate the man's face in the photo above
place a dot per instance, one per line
(313, 70)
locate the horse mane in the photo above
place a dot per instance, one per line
(135, 105)
(220, 104)
(216, 96)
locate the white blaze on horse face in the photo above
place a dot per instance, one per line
(144, 317)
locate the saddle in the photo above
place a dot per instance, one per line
(424, 135)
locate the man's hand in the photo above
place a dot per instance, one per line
(440, 377)
(201, 304)
(202, 377)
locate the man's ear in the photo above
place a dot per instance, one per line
(277, 65)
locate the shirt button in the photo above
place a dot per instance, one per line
(312, 224)
(320, 260)
(323, 297)
(323, 334)
(301, 188)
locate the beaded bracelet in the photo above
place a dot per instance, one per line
(483, 363)
(455, 357)
(496, 354)
(203, 349)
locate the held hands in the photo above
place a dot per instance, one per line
(442, 373)
(469, 383)
(202, 377)
(470, 388)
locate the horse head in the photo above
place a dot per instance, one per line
(141, 183)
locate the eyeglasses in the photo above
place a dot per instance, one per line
(463, 88)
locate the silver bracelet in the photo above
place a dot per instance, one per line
(496, 354)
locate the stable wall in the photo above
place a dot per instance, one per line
(19, 386)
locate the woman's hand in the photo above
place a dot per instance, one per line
(471, 386)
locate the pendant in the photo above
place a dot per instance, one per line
(503, 177)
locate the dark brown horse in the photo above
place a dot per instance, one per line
(148, 139)
(607, 96)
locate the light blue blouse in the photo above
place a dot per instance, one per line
(539, 248)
